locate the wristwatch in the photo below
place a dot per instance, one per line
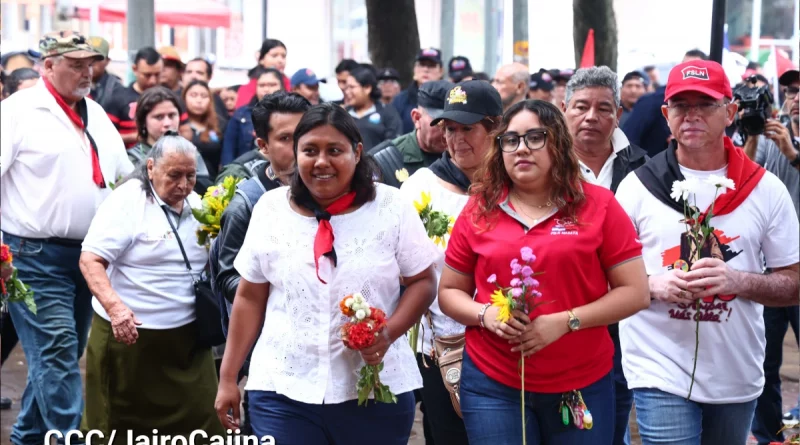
(796, 161)
(574, 322)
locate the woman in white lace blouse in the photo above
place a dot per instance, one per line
(302, 383)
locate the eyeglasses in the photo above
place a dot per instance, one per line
(703, 108)
(534, 140)
(790, 92)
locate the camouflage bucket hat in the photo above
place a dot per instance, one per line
(68, 44)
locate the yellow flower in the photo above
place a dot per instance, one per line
(426, 200)
(401, 175)
(502, 302)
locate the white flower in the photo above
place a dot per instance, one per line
(360, 314)
(678, 191)
(721, 182)
(349, 302)
(368, 311)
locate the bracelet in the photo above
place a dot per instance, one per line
(482, 312)
(796, 161)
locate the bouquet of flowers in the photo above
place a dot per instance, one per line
(215, 200)
(520, 295)
(360, 333)
(437, 226)
(699, 232)
(12, 289)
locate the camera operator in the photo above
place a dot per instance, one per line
(770, 144)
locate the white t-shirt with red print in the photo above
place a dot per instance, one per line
(658, 344)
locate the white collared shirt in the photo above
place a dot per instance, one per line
(604, 179)
(46, 185)
(299, 353)
(146, 267)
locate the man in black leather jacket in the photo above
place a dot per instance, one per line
(592, 108)
(274, 118)
(422, 146)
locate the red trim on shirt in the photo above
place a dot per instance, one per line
(573, 258)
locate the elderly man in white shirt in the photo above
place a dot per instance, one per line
(59, 156)
(592, 108)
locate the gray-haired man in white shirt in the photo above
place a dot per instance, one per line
(59, 157)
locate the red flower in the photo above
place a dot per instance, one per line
(5, 254)
(360, 335)
(379, 317)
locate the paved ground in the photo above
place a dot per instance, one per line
(13, 375)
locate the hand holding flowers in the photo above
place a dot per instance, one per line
(366, 333)
(708, 276)
(540, 332)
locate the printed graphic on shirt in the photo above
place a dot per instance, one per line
(564, 226)
(714, 308)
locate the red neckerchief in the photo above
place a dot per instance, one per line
(97, 174)
(323, 242)
(745, 174)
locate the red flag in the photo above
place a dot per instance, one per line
(587, 60)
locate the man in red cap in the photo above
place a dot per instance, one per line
(694, 358)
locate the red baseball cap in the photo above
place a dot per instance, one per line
(703, 76)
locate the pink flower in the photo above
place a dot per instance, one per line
(492, 278)
(515, 268)
(536, 293)
(516, 282)
(516, 292)
(527, 254)
(527, 271)
(530, 282)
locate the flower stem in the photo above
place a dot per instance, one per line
(696, 345)
(522, 399)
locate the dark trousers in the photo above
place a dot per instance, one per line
(769, 409)
(623, 395)
(296, 423)
(445, 425)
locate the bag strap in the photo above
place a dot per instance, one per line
(178, 237)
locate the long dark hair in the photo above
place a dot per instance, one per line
(565, 176)
(149, 100)
(209, 117)
(266, 47)
(335, 116)
(366, 78)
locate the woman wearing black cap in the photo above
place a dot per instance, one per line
(362, 98)
(471, 112)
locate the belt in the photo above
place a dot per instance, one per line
(64, 242)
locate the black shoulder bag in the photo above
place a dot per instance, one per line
(207, 313)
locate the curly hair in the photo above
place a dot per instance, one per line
(491, 179)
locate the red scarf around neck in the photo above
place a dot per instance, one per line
(746, 175)
(97, 174)
(323, 242)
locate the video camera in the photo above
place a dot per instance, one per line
(756, 105)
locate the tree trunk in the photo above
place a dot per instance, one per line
(597, 15)
(393, 36)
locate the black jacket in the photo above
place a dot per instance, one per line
(628, 160)
(233, 228)
(382, 125)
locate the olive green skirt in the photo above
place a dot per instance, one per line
(161, 382)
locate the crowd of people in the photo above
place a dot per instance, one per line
(570, 187)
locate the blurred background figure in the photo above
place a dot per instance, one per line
(389, 84)
(459, 69)
(20, 79)
(305, 83)
(634, 85)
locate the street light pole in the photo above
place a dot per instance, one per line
(717, 30)
(141, 27)
(755, 32)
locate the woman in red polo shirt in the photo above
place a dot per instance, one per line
(530, 194)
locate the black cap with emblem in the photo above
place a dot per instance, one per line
(432, 96)
(469, 102)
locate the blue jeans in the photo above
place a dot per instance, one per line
(624, 396)
(295, 423)
(492, 412)
(665, 418)
(53, 340)
(769, 410)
